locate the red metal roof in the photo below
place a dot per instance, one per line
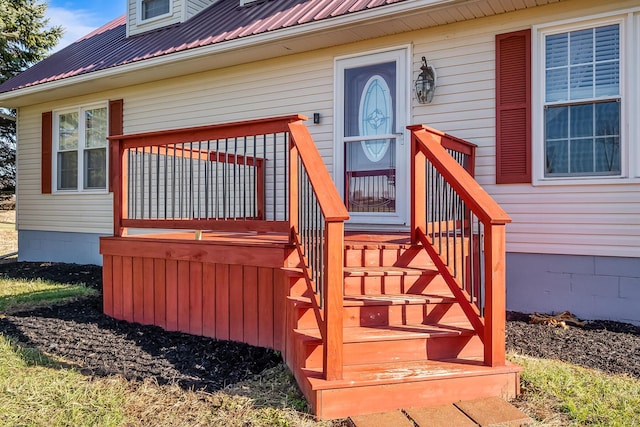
(225, 20)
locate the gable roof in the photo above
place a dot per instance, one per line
(223, 21)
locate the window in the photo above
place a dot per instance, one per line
(81, 149)
(582, 102)
(154, 8)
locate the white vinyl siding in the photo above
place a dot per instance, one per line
(563, 219)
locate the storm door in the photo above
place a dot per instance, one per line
(371, 154)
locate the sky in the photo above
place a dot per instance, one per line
(79, 17)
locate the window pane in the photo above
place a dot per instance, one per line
(557, 50)
(557, 85)
(608, 155)
(95, 164)
(68, 170)
(607, 79)
(607, 119)
(581, 120)
(581, 152)
(608, 43)
(557, 156)
(153, 8)
(581, 78)
(581, 47)
(557, 123)
(96, 127)
(68, 131)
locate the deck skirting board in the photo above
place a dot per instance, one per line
(240, 302)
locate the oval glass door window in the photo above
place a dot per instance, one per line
(375, 117)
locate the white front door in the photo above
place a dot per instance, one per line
(371, 154)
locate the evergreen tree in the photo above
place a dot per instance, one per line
(24, 40)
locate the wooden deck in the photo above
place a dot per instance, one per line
(366, 322)
(404, 332)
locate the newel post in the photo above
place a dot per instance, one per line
(418, 186)
(333, 301)
(495, 295)
(118, 179)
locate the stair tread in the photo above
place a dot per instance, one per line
(383, 299)
(396, 299)
(389, 271)
(406, 371)
(356, 334)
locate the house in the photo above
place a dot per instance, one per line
(201, 100)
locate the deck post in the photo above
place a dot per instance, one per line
(333, 301)
(495, 304)
(118, 180)
(418, 188)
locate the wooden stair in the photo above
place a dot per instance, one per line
(407, 342)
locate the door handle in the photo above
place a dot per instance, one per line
(400, 137)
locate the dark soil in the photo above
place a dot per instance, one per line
(79, 333)
(611, 347)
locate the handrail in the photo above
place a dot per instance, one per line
(200, 133)
(454, 144)
(329, 199)
(463, 230)
(316, 216)
(430, 144)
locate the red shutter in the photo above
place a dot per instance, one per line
(46, 152)
(116, 111)
(513, 107)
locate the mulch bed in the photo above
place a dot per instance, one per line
(79, 333)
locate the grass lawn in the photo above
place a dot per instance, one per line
(561, 394)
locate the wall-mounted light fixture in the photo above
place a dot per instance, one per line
(426, 83)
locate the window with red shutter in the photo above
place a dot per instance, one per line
(77, 137)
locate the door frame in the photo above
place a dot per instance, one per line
(403, 55)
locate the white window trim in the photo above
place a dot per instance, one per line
(630, 131)
(56, 146)
(141, 21)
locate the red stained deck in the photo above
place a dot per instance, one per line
(365, 321)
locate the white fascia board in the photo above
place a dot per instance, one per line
(224, 47)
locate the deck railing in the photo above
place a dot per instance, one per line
(229, 177)
(463, 229)
(261, 175)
